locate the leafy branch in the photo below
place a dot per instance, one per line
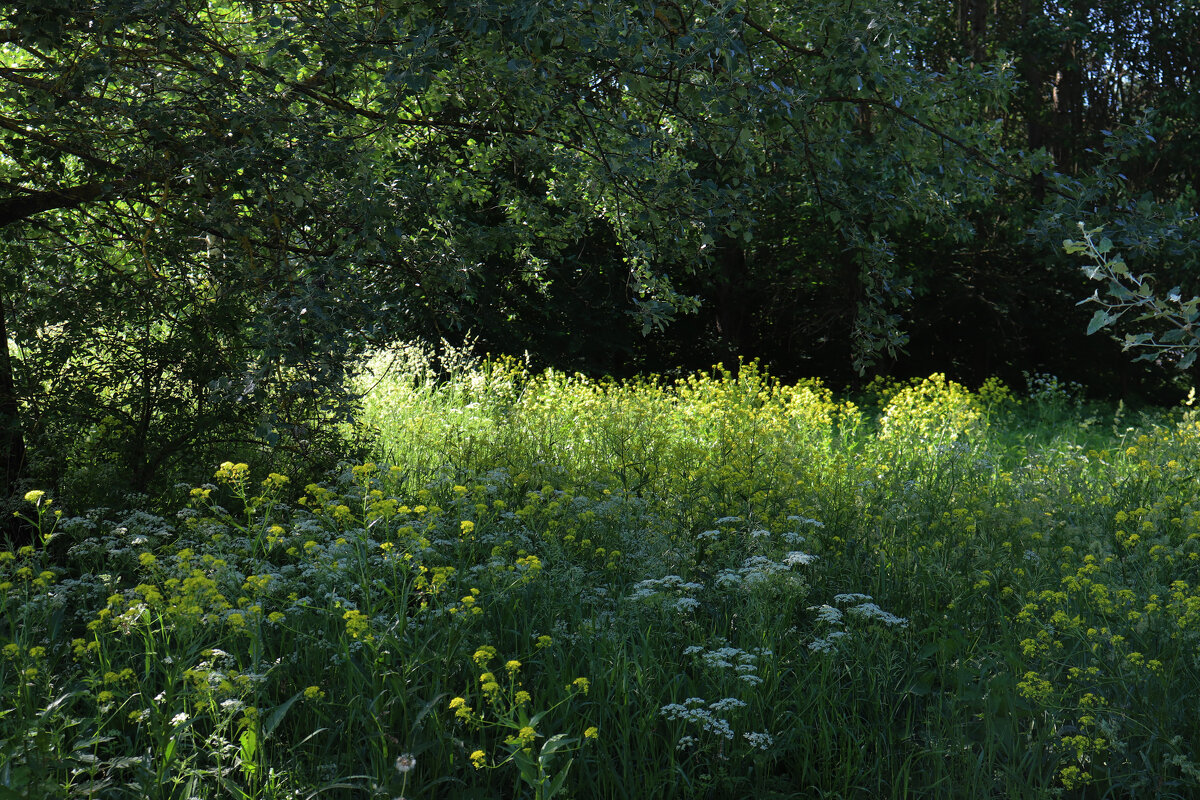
(1134, 294)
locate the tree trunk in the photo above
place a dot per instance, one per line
(12, 442)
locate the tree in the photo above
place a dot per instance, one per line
(210, 207)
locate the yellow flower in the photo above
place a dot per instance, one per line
(314, 693)
(592, 733)
(479, 759)
(275, 481)
(583, 684)
(521, 698)
(512, 666)
(34, 496)
(356, 624)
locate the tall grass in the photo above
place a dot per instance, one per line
(715, 587)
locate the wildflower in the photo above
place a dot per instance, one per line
(512, 666)
(478, 759)
(762, 741)
(314, 693)
(521, 698)
(405, 762)
(179, 718)
(275, 481)
(592, 733)
(356, 623)
(583, 684)
(34, 496)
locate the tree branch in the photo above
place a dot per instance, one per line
(21, 207)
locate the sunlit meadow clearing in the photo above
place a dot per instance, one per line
(716, 587)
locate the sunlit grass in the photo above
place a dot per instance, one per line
(549, 586)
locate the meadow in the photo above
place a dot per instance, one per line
(545, 586)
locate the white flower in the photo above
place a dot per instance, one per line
(760, 740)
(179, 718)
(826, 645)
(872, 611)
(405, 762)
(726, 704)
(827, 613)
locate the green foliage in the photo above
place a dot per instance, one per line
(1136, 295)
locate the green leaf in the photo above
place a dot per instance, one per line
(1099, 320)
(558, 781)
(276, 715)
(552, 745)
(249, 741)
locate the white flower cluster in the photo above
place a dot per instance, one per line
(757, 569)
(668, 584)
(859, 606)
(759, 739)
(695, 711)
(744, 664)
